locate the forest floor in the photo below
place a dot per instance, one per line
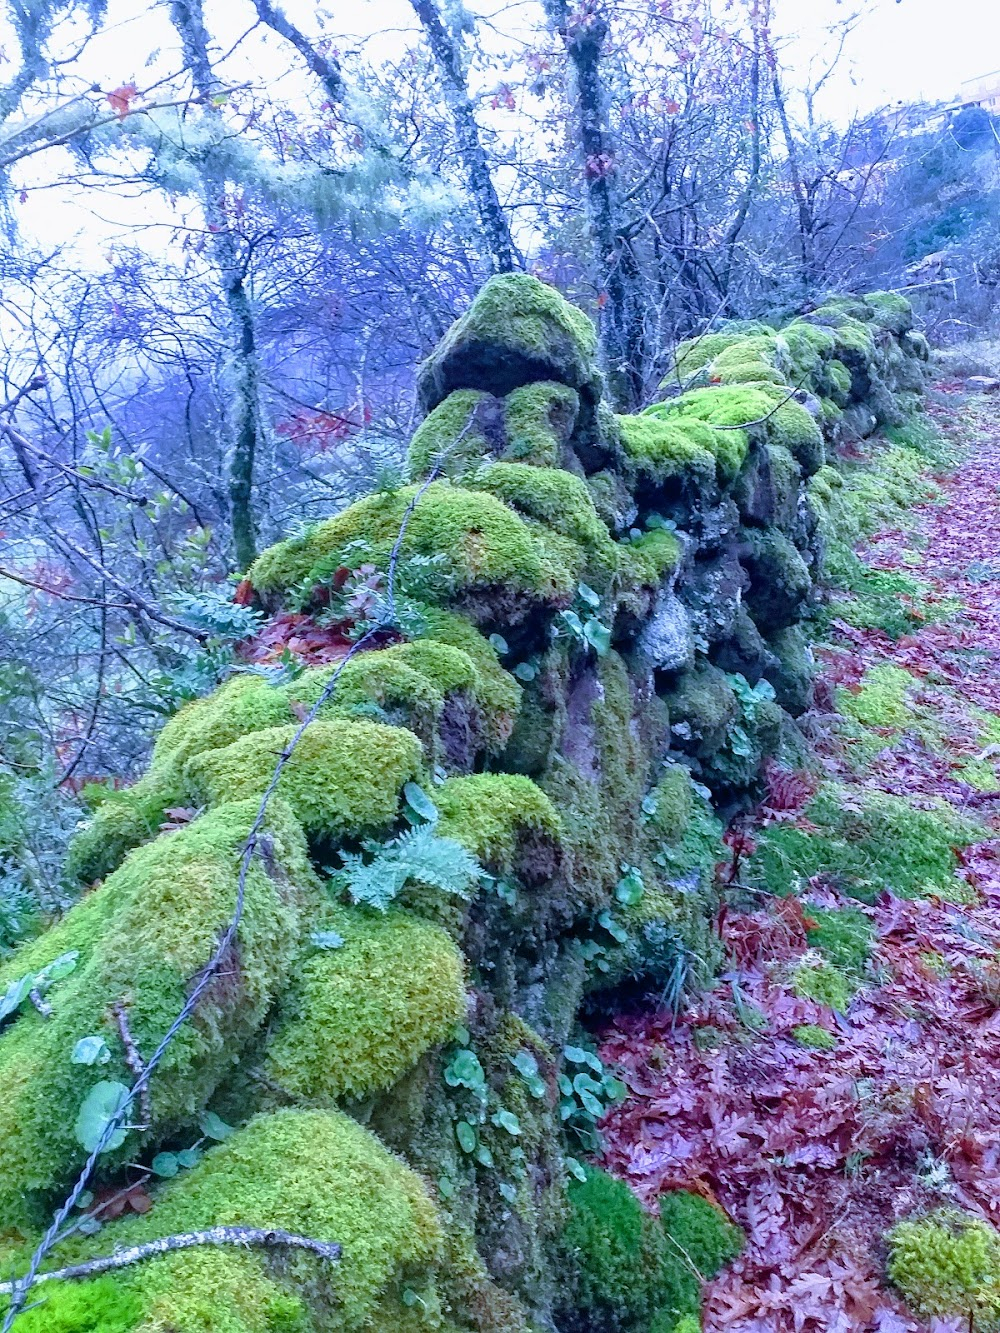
(816, 1153)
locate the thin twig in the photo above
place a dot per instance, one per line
(186, 1240)
(133, 1058)
(40, 1003)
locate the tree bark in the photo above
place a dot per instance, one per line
(246, 424)
(325, 68)
(504, 255)
(614, 266)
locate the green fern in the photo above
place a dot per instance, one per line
(418, 856)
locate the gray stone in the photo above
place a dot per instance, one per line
(666, 642)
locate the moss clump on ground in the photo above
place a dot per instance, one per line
(844, 936)
(816, 979)
(477, 540)
(947, 1266)
(813, 1037)
(141, 938)
(358, 1017)
(518, 331)
(883, 699)
(343, 777)
(491, 814)
(866, 843)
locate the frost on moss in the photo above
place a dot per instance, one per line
(141, 938)
(517, 331)
(358, 1017)
(480, 543)
(342, 778)
(947, 1266)
(315, 1173)
(494, 815)
(123, 820)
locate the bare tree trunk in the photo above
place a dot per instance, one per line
(614, 265)
(503, 252)
(247, 427)
(753, 179)
(803, 205)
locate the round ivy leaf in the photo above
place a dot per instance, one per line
(506, 1120)
(165, 1164)
(214, 1127)
(466, 1136)
(91, 1051)
(101, 1105)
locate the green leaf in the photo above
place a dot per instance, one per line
(589, 1058)
(500, 645)
(572, 622)
(101, 1105)
(466, 1136)
(565, 1085)
(536, 1086)
(614, 928)
(418, 801)
(630, 887)
(576, 1055)
(463, 1070)
(525, 671)
(446, 1187)
(462, 1035)
(575, 1169)
(506, 1120)
(91, 1051)
(165, 1164)
(525, 1064)
(483, 1156)
(326, 939)
(59, 968)
(597, 635)
(591, 1104)
(508, 1191)
(588, 596)
(15, 995)
(189, 1157)
(614, 1089)
(418, 855)
(214, 1127)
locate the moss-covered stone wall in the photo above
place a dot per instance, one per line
(598, 648)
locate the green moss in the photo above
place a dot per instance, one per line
(539, 420)
(650, 558)
(883, 700)
(517, 331)
(727, 407)
(142, 937)
(497, 692)
(670, 804)
(99, 1306)
(703, 710)
(780, 582)
(124, 820)
(890, 311)
(480, 542)
(558, 499)
(696, 353)
(825, 984)
(343, 777)
(840, 377)
(491, 814)
(844, 936)
(751, 372)
(316, 1173)
(243, 704)
(662, 451)
(454, 436)
(792, 678)
(699, 1232)
(358, 1017)
(813, 1037)
(866, 843)
(947, 1265)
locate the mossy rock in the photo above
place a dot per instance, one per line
(539, 422)
(890, 311)
(101, 1305)
(517, 331)
(342, 778)
(780, 582)
(142, 937)
(500, 818)
(243, 704)
(462, 430)
(794, 670)
(661, 451)
(315, 1173)
(725, 410)
(123, 820)
(703, 710)
(481, 546)
(359, 1016)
